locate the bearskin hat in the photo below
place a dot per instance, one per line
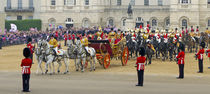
(203, 44)
(176, 28)
(29, 40)
(182, 46)
(26, 52)
(142, 51)
(78, 38)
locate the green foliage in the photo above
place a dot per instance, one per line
(24, 24)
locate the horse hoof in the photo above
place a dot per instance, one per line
(94, 69)
(77, 70)
(42, 73)
(46, 71)
(50, 73)
(58, 71)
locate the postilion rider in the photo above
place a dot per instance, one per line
(54, 44)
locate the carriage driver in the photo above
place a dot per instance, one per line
(54, 44)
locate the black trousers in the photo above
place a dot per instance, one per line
(26, 78)
(181, 70)
(140, 77)
(31, 57)
(200, 64)
(65, 42)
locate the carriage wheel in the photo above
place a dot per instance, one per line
(125, 55)
(106, 61)
(102, 48)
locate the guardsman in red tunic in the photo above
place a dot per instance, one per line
(26, 66)
(31, 47)
(140, 67)
(199, 55)
(65, 39)
(180, 58)
(208, 52)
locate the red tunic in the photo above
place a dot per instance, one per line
(26, 66)
(73, 36)
(65, 37)
(200, 54)
(30, 47)
(140, 63)
(180, 57)
(69, 37)
(208, 53)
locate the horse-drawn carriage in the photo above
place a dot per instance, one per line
(105, 51)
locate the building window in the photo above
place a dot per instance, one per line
(184, 23)
(19, 17)
(31, 5)
(86, 23)
(9, 4)
(118, 2)
(8, 17)
(132, 2)
(69, 2)
(53, 2)
(146, 2)
(30, 17)
(154, 22)
(111, 22)
(123, 23)
(160, 2)
(208, 2)
(19, 4)
(86, 2)
(75, 2)
(209, 23)
(185, 1)
(167, 22)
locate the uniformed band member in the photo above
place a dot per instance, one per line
(199, 55)
(181, 62)
(140, 67)
(29, 45)
(26, 66)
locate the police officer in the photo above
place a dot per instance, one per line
(181, 62)
(140, 67)
(199, 55)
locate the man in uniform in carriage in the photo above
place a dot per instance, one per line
(99, 34)
(112, 36)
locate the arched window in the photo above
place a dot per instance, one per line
(86, 23)
(52, 22)
(167, 23)
(111, 22)
(139, 21)
(154, 22)
(184, 23)
(209, 23)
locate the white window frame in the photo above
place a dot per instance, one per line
(208, 2)
(184, 25)
(208, 23)
(160, 2)
(154, 22)
(146, 2)
(69, 2)
(53, 2)
(87, 2)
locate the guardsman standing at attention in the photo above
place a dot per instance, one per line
(31, 47)
(199, 55)
(140, 67)
(180, 58)
(65, 39)
(26, 67)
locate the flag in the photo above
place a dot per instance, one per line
(13, 28)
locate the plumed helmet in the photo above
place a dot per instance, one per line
(142, 51)
(26, 52)
(202, 44)
(29, 40)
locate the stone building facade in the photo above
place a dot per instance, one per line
(86, 13)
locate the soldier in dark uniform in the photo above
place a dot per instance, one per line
(199, 55)
(180, 58)
(140, 67)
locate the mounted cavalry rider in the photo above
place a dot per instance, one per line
(54, 44)
(84, 42)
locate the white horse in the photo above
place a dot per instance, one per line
(49, 56)
(39, 56)
(83, 56)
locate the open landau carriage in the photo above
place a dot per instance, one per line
(105, 51)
